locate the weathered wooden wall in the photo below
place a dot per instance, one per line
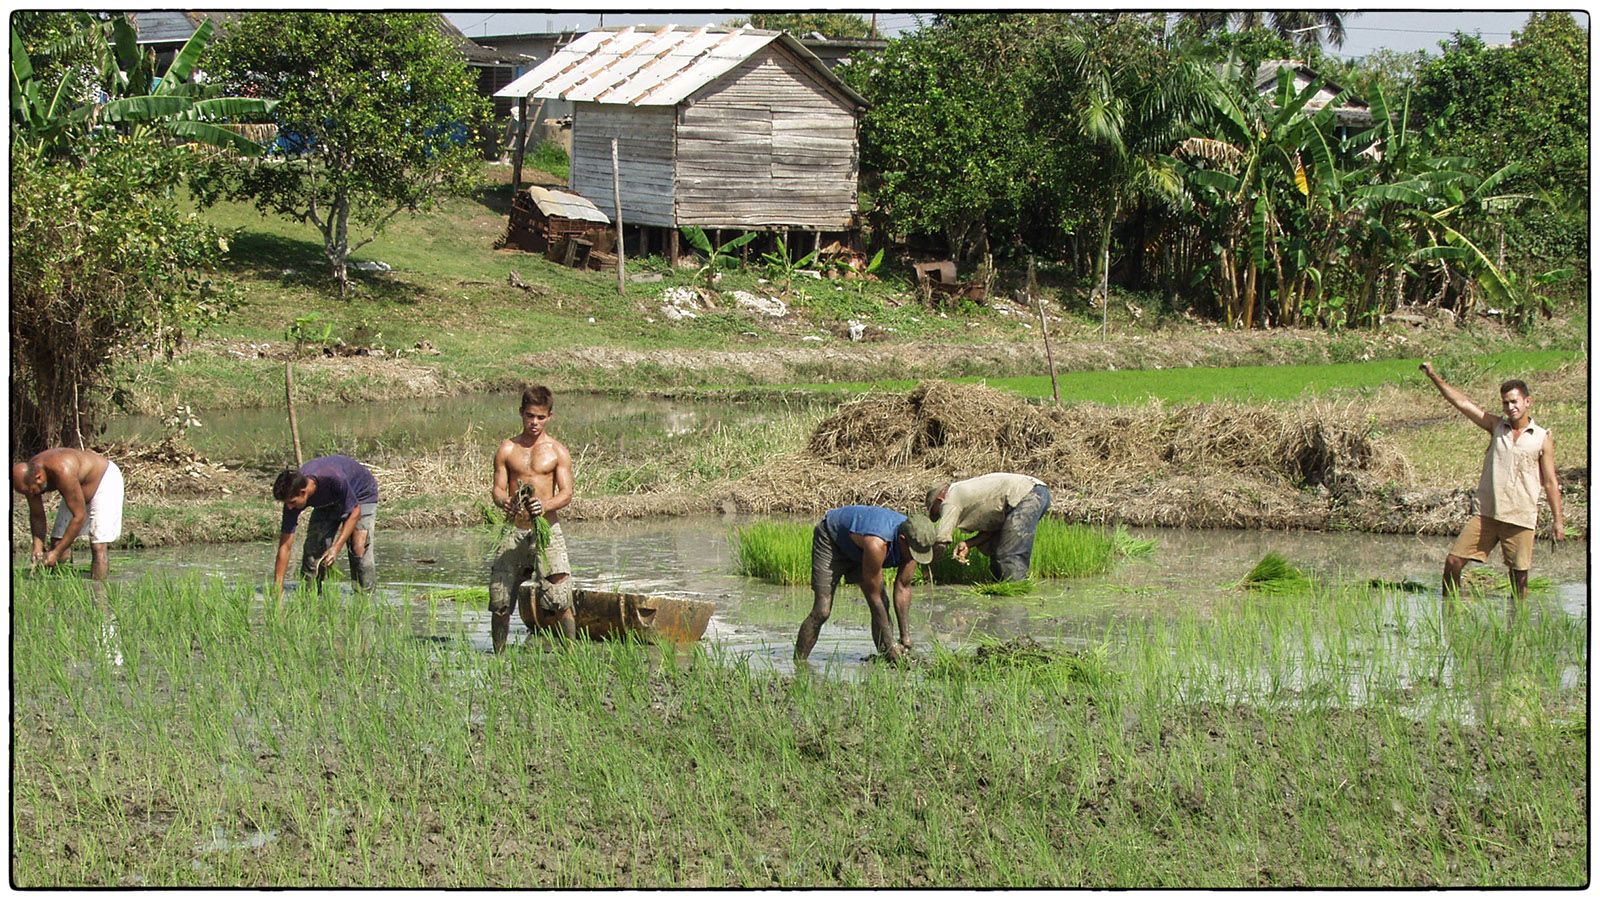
(767, 144)
(644, 152)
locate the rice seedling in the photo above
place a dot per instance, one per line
(779, 552)
(1275, 575)
(317, 742)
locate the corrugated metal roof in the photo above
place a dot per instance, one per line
(565, 205)
(163, 26)
(654, 66)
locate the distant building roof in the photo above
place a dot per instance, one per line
(565, 205)
(654, 66)
(1351, 111)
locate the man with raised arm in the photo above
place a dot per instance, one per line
(1519, 460)
(532, 480)
(91, 504)
(343, 496)
(856, 543)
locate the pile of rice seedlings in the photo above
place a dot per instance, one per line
(1028, 659)
(779, 552)
(1275, 575)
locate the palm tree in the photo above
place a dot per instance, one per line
(1130, 97)
(1304, 28)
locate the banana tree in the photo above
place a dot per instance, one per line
(125, 93)
(1270, 180)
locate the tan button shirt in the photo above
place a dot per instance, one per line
(1508, 489)
(980, 504)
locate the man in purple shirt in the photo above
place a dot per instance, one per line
(343, 497)
(856, 543)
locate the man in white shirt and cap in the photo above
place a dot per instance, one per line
(1002, 507)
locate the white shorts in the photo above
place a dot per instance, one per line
(105, 511)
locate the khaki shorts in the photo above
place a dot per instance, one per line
(1481, 534)
(517, 560)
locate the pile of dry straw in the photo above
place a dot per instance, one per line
(1204, 465)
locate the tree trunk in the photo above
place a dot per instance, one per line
(339, 242)
(1250, 293)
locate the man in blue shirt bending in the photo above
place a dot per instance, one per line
(343, 497)
(856, 543)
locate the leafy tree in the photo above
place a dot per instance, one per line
(1121, 96)
(1529, 104)
(827, 24)
(375, 111)
(103, 262)
(947, 144)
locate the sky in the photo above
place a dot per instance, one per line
(1420, 28)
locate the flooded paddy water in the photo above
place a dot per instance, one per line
(260, 437)
(1190, 572)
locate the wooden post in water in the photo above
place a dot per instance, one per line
(1044, 326)
(294, 424)
(616, 193)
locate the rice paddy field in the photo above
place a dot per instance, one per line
(1299, 731)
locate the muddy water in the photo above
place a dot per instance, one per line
(261, 436)
(1189, 570)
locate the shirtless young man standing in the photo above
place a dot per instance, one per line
(91, 503)
(541, 462)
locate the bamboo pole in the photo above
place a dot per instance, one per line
(294, 423)
(1044, 328)
(616, 194)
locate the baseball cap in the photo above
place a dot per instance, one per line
(919, 535)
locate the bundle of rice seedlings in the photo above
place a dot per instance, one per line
(1069, 550)
(778, 552)
(1129, 547)
(1274, 575)
(474, 596)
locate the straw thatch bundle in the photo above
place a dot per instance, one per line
(1204, 465)
(974, 429)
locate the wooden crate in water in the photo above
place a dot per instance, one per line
(613, 614)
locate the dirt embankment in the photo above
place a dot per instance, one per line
(1216, 465)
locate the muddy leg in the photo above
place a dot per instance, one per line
(1519, 583)
(101, 565)
(363, 563)
(1452, 576)
(560, 586)
(821, 608)
(499, 627)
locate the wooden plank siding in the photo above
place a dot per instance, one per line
(768, 144)
(644, 153)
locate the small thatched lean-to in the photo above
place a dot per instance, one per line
(715, 127)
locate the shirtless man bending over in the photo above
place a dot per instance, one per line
(539, 461)
(91, 502)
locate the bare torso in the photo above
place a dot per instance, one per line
(63, 465)
(541, 463)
